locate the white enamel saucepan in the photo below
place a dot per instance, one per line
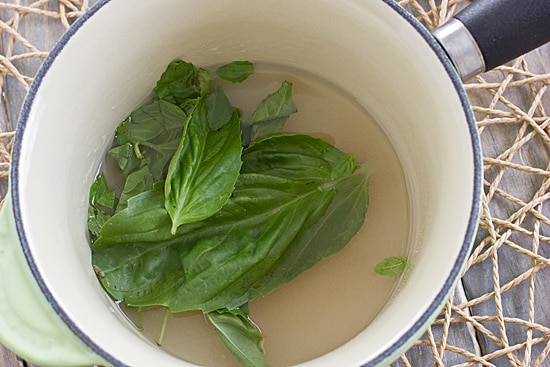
(53, 310)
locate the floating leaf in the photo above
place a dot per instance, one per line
(270, 116)
(236, 71)
(203, 171)
(177, 83)
(391, 266)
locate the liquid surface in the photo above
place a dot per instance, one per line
(328, 305)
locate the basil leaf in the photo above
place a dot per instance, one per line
(270, 116)
(343, 218)
(204, 80)
(125, 157)
(102, 204)
(177, 83)
(100, 195)
(154, 121)
(236, 71)
(144, 220)
(220, 110)
(391, 266)
(96, 220)
(285, 188)
(152, 133)
(240, 336)
(204, 169)
(136, 183)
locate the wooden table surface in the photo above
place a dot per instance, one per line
(500, 290)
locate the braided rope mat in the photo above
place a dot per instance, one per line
(500, 312)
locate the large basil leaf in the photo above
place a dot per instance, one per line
(286, 193)
(136, 234)
(240, 336)
(328, 235)
(203, 171)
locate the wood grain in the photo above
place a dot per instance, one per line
(8, 359)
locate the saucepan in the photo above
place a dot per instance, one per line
(53, 309)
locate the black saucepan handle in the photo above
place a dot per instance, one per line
(501, 29)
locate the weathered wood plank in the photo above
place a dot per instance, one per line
(8, 359)
(32, 27)
(459, 335)
(508, 262)
(42, 32)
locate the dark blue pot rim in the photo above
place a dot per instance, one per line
(418, 326)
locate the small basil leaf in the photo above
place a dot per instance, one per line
(177, 83)
(240, 336)
(144, 220)
(236, 71)
(268, 128)
(275, 105)
(125, 157)
(151, 122)
(152, 134)
(270, 116)
(100, 195)
(391, 266)
(204, 80)
(343, 167)
(96, 220)
(220, 110)
(136, 183)
(204, 169)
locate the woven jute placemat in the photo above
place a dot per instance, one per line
(499, 314)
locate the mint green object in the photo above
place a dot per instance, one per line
(28, 324)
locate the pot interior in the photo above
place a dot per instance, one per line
(107, 65)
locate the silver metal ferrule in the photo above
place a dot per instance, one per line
(461, 48)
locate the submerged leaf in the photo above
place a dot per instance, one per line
(136, 183)
(240, 336)
(270, 116)
(151, 135)
(100, 195)
(96, 220)
(125, 157)
(152, 122)
(220, 110)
